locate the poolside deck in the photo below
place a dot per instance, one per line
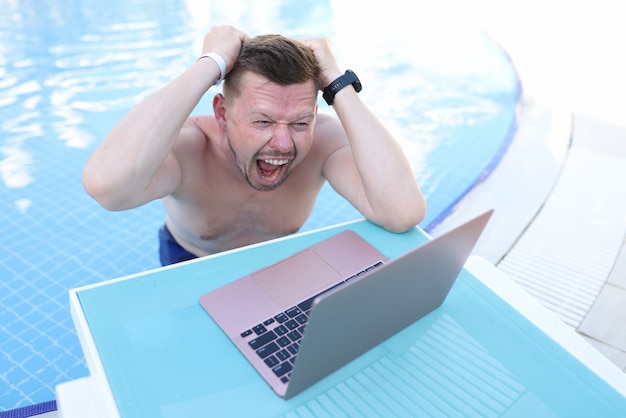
(560, 221)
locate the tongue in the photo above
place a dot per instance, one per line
(266, 166)
(267, 169)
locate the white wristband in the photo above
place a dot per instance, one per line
(220, 63)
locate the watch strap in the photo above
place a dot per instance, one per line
(347, 79)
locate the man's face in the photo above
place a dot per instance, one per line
(269, 129)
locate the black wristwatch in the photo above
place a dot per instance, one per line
(345, 80)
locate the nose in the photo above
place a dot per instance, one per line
(281, 138)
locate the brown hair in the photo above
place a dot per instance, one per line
(279, 59)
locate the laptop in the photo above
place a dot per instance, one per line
(302, 318)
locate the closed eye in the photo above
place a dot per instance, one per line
(296, 126)
(262, 123)
(300, 126)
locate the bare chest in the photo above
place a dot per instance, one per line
(223, 216)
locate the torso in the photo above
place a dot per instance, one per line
(215, 209)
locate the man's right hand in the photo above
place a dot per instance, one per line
(135, 163)
(225, 41)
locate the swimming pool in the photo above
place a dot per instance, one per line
(69, 69)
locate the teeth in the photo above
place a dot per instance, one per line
(276, 162)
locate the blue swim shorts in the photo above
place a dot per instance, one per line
(170, 251)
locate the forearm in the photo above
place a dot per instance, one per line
(391, 196)
(374, 174)
(124, 165)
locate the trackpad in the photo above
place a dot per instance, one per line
(290, 280)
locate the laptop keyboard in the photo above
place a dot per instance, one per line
(277, 339)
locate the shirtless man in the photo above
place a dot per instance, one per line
(252, 171)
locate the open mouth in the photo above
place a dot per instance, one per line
(271, 170)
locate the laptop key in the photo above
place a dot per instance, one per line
(349, 279)
(294, 335)
(283, 355)
(283, 341)
(282, 368)
(271, 361)
(306, 305)
(281, 329)
(266, 350)
(293, 312)
(262, 339)
(302, 319)
(281, 317)
(259, 329)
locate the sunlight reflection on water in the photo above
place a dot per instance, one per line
(422, 81)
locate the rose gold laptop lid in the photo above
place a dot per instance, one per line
(358, 316)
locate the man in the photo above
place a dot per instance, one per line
(252, 171)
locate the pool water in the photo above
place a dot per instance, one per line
(69, 69)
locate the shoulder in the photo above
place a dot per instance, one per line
(325, 122)
(196, 133)
(329, 132)
(205, 123)
(193, 148)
